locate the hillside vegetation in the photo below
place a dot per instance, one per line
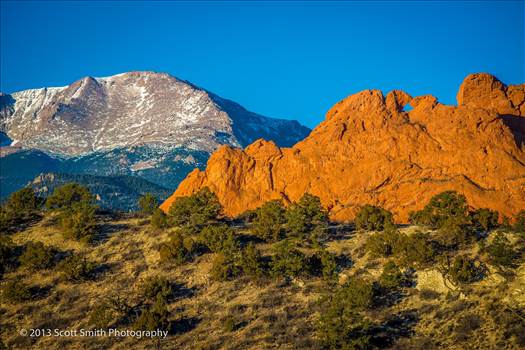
(275, 277)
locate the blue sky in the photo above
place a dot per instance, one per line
(284, 59)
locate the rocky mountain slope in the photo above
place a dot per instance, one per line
(136, 108)
(146, 124)
(370, 150)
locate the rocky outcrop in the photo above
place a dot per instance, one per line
(369, 150)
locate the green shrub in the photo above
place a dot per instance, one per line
(16, 292)
(251, 262)
(341, 324)
(102, 316)
(324, 264)
(7, 253)
(500, 252)
(157, 287)
(78, 221)
(446, 207)
(306, 219)
(153, 317)
(6, 220)
(484, 219)
(175, 251)
(148, 203)
(108, 312)
(415, 250)
(373, 218)
(21, 207)
(287, 260)
(159, 219)
(195, 210)
(519, 222)
(22, 203)
(356, 294)
(37, 256)
(67, 195)
(392, 278)
(219, 238)
(268, 221)
(76, 268)
(383, 244)
(462, 270)
(452, 235)
(224, 268)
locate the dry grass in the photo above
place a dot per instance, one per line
(243, 314)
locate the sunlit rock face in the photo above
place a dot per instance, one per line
(370, 150)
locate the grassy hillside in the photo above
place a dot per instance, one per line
(266, 315)
(422, 307)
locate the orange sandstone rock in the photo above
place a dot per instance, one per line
(368, 150)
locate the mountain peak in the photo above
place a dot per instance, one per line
(134, 108)
(484, 90)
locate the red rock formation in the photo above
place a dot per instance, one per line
(368, 150)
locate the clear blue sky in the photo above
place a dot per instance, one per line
(291, 60)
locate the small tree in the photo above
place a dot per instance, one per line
(157, 287)
(7, 253)
(224, 268)
(67, 195)
(22, 203)
(287, 260)
(269, 220)
(455, 236)
(446, 207)
(109, 311)
(154, 317)
(306, 219)
(462, 270)
(392, 278)
(76, 268)
(500, 252)
(341, 324)
(383, 244)
(484, 219)
(251, 262)
(78, 221)
(219, 239)
(195, 210)
(324, 264)
(373, 218)
(16, 292)
(415, 250)
(158, 219)
(175, 251)
(6, 219)
(37, 256)
(148, 204)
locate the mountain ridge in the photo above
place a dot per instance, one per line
(146, 124)
(96, 114)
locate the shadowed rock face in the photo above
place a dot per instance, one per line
(368, 150)
(133, 109)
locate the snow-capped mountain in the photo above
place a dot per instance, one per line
(144, 124)
(131, 109)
